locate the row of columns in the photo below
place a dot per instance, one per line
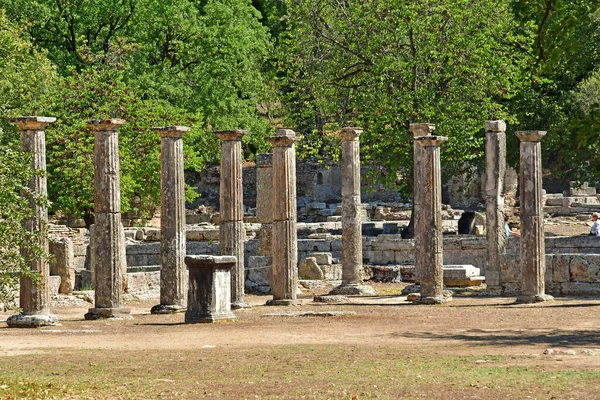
(108, 247)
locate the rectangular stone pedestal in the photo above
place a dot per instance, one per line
(209, 294)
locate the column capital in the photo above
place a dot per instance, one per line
(264, 160)
(421, 129)
(231, 135)
(430, 141)
(530, 136)
(109, 125)
(350, 133)
(175, 131)
(283, 138)
(32, 123)
(495, 126)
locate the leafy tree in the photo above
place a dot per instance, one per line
(387, 64)
(25, 75)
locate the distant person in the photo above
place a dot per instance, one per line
(507, 230)
(595, 229)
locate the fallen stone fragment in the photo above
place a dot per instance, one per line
(331, 299)
(592, 352)
(413, 297)
(309, 314)
(559, 352)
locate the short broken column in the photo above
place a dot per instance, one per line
(264, 202)
(108, 245)
(209, 292)
(232, 233)
(172, 221)
(34, 297)
(495, 168)
(285, 246)
(533, 251)
(352, 280)
(429, 247)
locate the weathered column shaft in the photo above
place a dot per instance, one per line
(533, 252)
(351, 220)
(264, 202)
(108, 240)
(231, 230)
(495, 168)
(429, 251)
(418, 130)
(285, 247)
(173, 290)
(34, 295)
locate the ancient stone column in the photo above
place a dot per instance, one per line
(108, 245)
(418, 130)
(495, 168)
(172, 221)
(35, 295)
(264, 202)
(352, 281)
(232, 234)
(428, 227)
(285, 246)
(533, 251)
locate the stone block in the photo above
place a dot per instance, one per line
(381, 273)
(336, 245)
(580, 289)
(211, 234)
(134, 260)
(392, 242)
(548, 270)
(143, 248)
(554, 201)
(452, 243)
(53, 285)
(145, 284)
(560, 268)
(62, 263)
(463, 271)
(194, 235)
(311, 245)
(492, 278)
(323, 258)
(309, 269)
(585, 268)
(332, 272)
(317, 206)
(379, 257)
(259, 271)
(404, 257)
(468, 243)
(511, 288)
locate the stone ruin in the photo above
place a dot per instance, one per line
(344, 248)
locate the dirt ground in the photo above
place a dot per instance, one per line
(472, 348)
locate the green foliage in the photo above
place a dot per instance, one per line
(17, 245)
(25, 74)
(385, 65)
(99, 91)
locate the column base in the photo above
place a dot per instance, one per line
(534, 298)
(167, 309)
(240, 305)
(32, 320)
(196, 318)
(109, 312)
(284, 302)
(433, 300)
(353, 289)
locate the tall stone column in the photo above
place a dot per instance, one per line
(172, 221)
(533, 251)
(418, 130)
(352, 281)
(108, 245)
(285, 246)
(35, 295)
(495, 168)
(428, 227)
(232, 234)
(264, 202)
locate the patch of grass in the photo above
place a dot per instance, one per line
(290, 372)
